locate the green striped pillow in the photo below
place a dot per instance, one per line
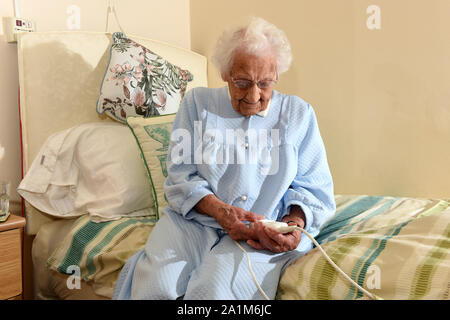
(153, 137)
(396, 248)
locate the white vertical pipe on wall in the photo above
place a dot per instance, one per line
(17, 8)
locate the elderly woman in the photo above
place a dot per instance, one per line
(254, 153)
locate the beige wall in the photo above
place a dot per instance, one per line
(382, 96)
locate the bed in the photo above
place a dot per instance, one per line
(84, 116)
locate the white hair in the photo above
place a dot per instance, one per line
(258, 38)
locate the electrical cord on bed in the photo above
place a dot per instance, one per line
(251, 271)
(370, 295)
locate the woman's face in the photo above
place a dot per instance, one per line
(252, 100)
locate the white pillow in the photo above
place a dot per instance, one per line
(93, 168)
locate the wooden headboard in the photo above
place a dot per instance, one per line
(60, 74)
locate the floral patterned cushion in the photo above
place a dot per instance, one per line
(139, 82)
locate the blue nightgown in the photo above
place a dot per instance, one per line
(263, 163)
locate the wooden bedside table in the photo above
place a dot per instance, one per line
(11, 257)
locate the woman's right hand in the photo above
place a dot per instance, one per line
(229, 217)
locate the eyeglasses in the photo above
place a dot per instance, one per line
(247, 84)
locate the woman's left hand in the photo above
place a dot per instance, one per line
(274, 241)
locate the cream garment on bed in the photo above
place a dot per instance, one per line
(93, 168)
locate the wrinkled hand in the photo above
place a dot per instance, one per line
(231, 219)
(274, 241)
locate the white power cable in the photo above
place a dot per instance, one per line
(370, 295)
(251, 271)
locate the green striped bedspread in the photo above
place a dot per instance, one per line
(397, 248)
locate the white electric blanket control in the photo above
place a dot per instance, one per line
(281, 227)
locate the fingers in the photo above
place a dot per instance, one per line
(255, 245)
(260, 237)
(266, 241)
(240, 231)
(275, 241)
(244, 232)
(249, 216)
